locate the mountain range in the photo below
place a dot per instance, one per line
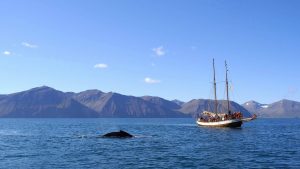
(46, 102)
(281, 109)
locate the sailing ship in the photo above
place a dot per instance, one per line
(216, 119)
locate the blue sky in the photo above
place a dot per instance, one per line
(153, 47)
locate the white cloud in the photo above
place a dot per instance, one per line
(101, 66)
(159, 51)
(7, 53)
(28, 45)
(151, 81)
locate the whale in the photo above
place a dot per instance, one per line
(118, 134)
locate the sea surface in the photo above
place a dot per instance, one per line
(158, 143)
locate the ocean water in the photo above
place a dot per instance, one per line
(159, 143)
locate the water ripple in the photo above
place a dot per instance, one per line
(158, 143)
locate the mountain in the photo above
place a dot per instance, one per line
(199, 105)
(162, 102)
(252, 106)
(46, 102)
(42, 102)
(94, 99)
(117, 105)
(178, 102)
(281, 109)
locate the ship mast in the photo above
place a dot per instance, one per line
(227, 88)
(215, 88)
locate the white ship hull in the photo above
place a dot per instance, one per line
(223, 123)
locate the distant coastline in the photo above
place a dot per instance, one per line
(46, 102)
